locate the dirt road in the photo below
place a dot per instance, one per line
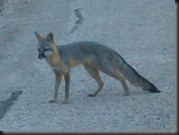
(142, 32)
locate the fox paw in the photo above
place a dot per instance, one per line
(52, 101)
(126, 94)
(66, 102)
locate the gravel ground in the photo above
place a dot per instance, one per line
(124, 25)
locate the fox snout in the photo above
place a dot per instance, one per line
(44, 53)
(41, 54)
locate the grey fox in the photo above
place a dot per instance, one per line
(95, 57)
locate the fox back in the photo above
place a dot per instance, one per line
(88, 52)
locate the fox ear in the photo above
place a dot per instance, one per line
(50, 37)
(39, 37)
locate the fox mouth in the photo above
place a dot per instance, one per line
(43, 55)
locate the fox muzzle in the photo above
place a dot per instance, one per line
(42, 54)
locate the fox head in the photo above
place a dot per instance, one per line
(45, 46)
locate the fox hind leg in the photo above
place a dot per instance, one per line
(123, 82)
(113, 72)
(94, 73)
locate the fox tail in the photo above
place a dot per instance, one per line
(136, 79)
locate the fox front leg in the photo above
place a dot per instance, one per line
(58, 77)
(67, 87)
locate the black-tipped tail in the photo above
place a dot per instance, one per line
(136, 79)
(146, 84)
(153, 88)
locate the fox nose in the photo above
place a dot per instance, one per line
(41, 56)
